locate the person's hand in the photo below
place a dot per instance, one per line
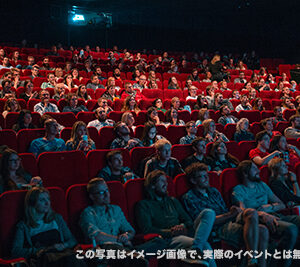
(157, 120)
(124, 239)
(37, 180)
(34, 95)
(269, 220)
(128, 176)
(290, 204)
(276, 153)
(292, 147)
(82, 145)
(178, 230)
(132, 143)
(209, 137)
(234, 210)
(59, 246)
(292, 177)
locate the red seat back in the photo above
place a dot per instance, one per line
(26, 136)
(245, 147)
(174, 133)
(181, 152)
(29, 163)
(138, 154)
(8, 137)
(229, 180)
(63, 168)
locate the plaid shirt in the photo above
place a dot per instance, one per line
(186, 140)
(121, 143)
(194, 202)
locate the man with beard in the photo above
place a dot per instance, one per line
(101, 120)
(45, 105)
(226, 116)
(235, 226)
(106, 225)
(255, 194)
(141, 84)
(277, 115)
(129, 91)
(294, 130)
(95, 83)
(191, 130)
(159, 213)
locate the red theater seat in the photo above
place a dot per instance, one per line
(228, 180)
(174, 133)
(181, 152)
(138, 154)
(8, 137)
(26, 136)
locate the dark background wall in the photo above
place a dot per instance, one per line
(269, 27)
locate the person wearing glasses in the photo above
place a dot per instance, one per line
(129, 91)
(28, 92)
(45, 105)
(191, 130)
(51, 83)
(73, 106)
(12, 174)
(105, 224)
(103, 103)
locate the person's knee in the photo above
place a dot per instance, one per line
(208, 214)
(291, 232)
(251, 215)
(263, 234)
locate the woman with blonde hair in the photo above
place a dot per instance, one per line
(80, 138)
(111, 81)
(203, 115)
(128, 119)
(242, 132)
(130, 105)
(43, 233)
(59, 74)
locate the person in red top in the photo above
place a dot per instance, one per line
(129, 91)
(260, 155)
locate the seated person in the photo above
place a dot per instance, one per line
(245, 105)
(226, 116)
(235, 226)
(101, 119)
(129, 120)
(260, 155)
(255, 194)
(59, 91)
(24, 121)
(191, 130)
(129, 91)
(201, 102)
(130, 105)
(94, 83)
(203, 115)
(114, 169)
(80, 138)
(294, 130)
(110, 93)
(105, 224)
(163, 160)
(150, 135)
(211, 134)
(258, 104)
(242, 131)
(103, 102)
(11, 105)
(277, 115)
(141, 83)
(192, 93)
(221, 159)
(6, 91)
(284, 183)
(199, 146)
(262, 85)
(12, 174)
(43, 230)
(158, 104)
(236, 95)
(171, 118)
(289, 153)
(159, 213)
(287, 104)
(73, 106)
(51, 83)
(173, 83)
(268, 126)
(82, 93)
(241, 78)
(28, 91)
(49, 142)
(123, 139)
(152, 116)
(45, 105)
(219, 101)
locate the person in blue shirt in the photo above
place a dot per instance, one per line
(49, 142)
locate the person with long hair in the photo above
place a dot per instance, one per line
(173, 83)
(11, 105)
(130, 105)
(221, 159)
(203, 115)
(283, 182)
(172, 117)
(12, 174)
(59, 74)
(80, 138)
(68, 82)
(28, 91)
(150, 135)
(290, 154)
(152, 115)
(82, 93)
(24, 121)
(75, 74)
(201, 102)
(210, 133)
(128, 119)
(73, 106)
(216, 68)
(258, 104)
(242, 132)
(43, 231)
(110, 93)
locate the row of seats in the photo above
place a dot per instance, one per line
(75, 200)
(20, 141)
(76, 167)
